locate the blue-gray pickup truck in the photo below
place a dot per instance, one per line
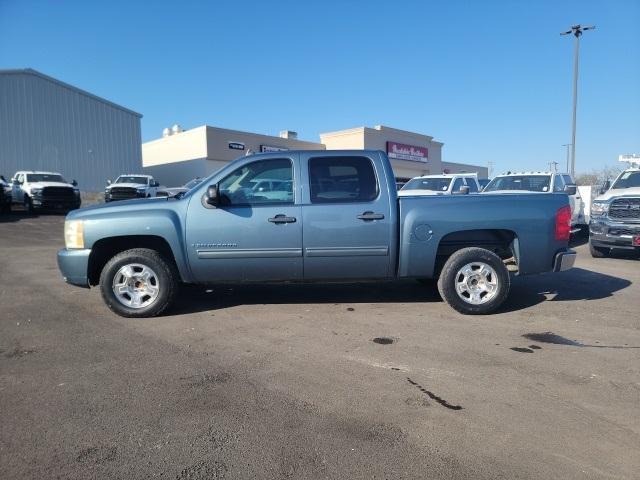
(309, 216)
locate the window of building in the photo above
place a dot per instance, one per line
(342, 179)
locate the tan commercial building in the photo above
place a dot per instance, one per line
(182, 155)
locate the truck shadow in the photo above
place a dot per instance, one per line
(572, 285)
(195, 299)
(575, 284)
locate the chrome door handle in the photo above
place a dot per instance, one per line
(281, 218)
(368, 216)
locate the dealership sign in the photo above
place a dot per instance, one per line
(236, 145)
(270, 148)
(400, 151)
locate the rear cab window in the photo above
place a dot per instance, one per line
(342, 180)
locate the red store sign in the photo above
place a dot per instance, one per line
(400, 151)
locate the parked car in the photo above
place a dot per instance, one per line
(178, 191)
(355, 227)
(5, 195)
(130, 186)
(445, 184)
(40, 190)
(543, 183)
(615, 215)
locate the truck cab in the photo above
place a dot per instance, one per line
(445, 184)
(40, 190)
(615, 214)
(129, 186)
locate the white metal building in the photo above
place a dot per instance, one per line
(46, 124)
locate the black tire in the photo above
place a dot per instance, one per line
(449, 277)
(168, 282)
(599, 252)
(28, 204)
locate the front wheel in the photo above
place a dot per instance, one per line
(28, 204)
(474, 281)
(138, 283)
(599, 252)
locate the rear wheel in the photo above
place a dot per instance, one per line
(474, 281)
(138, 283)
(599, 252)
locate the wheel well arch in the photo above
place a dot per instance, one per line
(502, 242)
(106, 248)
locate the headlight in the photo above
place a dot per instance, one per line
(74, 234)
(599, 208)
(36, 191)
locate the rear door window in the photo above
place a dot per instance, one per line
(342, 180)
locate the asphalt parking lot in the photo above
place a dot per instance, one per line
(317, 381)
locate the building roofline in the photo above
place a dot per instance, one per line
(31, 71)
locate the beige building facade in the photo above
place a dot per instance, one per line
(182, 155)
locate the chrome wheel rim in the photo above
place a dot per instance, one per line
(477, 283)
(136, 285)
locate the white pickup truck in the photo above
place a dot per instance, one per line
(131, 186)
(36, 190)
(444, 184)
(543, 182)
(615, 213)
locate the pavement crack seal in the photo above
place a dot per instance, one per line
(433, 396)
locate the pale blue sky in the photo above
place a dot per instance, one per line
(490, 79)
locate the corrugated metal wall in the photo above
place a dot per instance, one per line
(47, 126)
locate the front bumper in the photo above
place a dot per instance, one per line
(604, 232)
(74, 266)
(56, 204)
(564, 260)
(115, 197)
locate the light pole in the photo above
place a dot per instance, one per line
(577, 32)
(567, 145)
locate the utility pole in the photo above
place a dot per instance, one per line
(490, 167)
(553, 167)
(568, 166)
(577, 32)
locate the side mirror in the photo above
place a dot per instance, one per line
(108, 182)
(15, 181)
(570, 189)
(212, 197)
(605, 186)
(464, 190)
(155, 184)
(74, 183)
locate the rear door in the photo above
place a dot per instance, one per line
(347, 218)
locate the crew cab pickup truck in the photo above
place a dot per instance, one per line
(332, 216)
(615, 215)
(130, 186)
(445, 184)
(40, 190)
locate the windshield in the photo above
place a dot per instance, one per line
(527, 183)
(45, 177)
(131, 179)
(434, 184)
(192, 183)
(627, 180)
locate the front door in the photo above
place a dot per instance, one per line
(255, 234)
(347, 222)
